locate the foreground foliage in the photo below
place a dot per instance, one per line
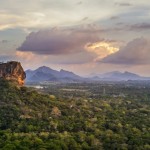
(29, 120)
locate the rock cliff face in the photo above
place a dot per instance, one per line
(12, 71)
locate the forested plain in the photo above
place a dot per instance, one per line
(77, 116)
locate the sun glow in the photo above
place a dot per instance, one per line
(102, 49)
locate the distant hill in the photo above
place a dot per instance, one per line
(119, 76)
(47, 74)
(44, 73)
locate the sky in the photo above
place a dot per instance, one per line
(83, 36)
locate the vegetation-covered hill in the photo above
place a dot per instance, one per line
(33, 121)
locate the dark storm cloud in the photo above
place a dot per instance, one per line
(58, 41)
(134, 53)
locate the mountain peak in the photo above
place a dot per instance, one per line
(43, 67)
(44, 73)
(130, 73)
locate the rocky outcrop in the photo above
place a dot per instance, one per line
(12, 71)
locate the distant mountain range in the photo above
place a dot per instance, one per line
(47, 74)
(118, 76)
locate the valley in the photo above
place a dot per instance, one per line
(75, 116)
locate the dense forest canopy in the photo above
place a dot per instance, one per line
(36, 121)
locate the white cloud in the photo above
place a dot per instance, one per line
(136, 52)
(59, 41)
(22, 13)
(102, 48)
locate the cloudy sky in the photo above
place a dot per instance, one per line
(87, 36)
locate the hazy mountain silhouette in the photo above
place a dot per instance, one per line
(47, 74)
(118, 76)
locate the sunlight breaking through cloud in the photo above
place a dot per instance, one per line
(102, 49)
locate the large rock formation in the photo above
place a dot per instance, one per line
(12, 71)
